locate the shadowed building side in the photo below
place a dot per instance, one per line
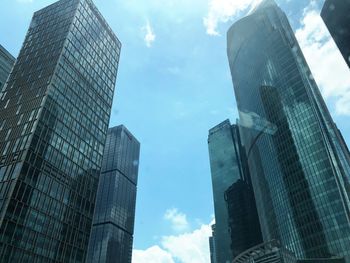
(336, 15)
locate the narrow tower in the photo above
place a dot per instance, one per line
(113, 224)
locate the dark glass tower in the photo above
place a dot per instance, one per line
(243, 217)
(300, 173)
(237, 225)
(336, 15)
(54, 115)
(224, 171)
(6, 64)
(113, 224)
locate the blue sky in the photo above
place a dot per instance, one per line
(173, 85)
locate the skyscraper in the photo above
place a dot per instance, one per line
(6, 64)
(336, 15)
(237, 224)
(54, 120)
(113, 225)
(224, 171)
(300, 173)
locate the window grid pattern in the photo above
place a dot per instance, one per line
(299, 174)
(51, 140)
(113, 224)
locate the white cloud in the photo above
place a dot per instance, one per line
(326, 63)
(149, 35)
(152, 255)
(190, 247)
(221, 11)
(177, 219)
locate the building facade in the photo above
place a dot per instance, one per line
(6, 64)
(113, 225)
(212, 245)
(243, 218)
(225, 170)
(54, 116)
(269, 252)
(336, 15)
(237, 224)
(300, 172)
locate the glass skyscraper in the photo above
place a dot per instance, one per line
(54, 116)
(336, 15)
(113, 224)
(300, 173)
(6, 64)
(224, 172)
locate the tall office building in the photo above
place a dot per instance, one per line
(54, 116)
(113, 225)
(224, 171)
(300, 172)
(237, 224)
(336, 15)
(243, 218)
(6, 64)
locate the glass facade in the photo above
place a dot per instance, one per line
(54, 116)
(336, 15)
(242, 217)
(212, 245)
(225, 170)
(6, 64)
(300, 173)
(113, 224)
(269, 252)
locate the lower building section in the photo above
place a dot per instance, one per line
(243, 217)
(109, 244)
(274, 252)
(212, 245)
(269, 252)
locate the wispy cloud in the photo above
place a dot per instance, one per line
(149, 35)
(327, 65)
(177, 219)
(221, 11)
